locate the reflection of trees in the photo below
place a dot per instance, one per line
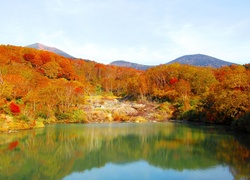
(237, 156)
(60, 150)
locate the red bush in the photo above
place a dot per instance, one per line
(15, 109)
(78, 90)
(173, 81)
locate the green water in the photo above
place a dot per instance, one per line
(124, 151)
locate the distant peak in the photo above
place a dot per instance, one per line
(36, 44)
(128, 64)
(40, 46)
(201, 60)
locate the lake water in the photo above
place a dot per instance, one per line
(125, 151)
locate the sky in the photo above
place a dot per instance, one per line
(148, 32)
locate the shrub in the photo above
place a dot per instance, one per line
(24, 118)
(159, 117)
(39, 124)
(190, 115)
(40, 119)
(42, 115)
(120, 116)
(62, 116)
(79, 115)
(14, 108)
(165, 107)
(49, 120)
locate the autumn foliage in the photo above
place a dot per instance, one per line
(14, 108)
(49, 85)
(173, 81)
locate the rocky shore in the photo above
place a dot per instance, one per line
(110, 109)
(97, 109)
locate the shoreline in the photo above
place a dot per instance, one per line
(106, 110)
(225, 128)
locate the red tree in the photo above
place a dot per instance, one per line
(78, 90)
(15, 109)
(29, 56)
(173, 81)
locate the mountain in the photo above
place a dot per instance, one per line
(40, 46)
(195, 60)
(122, 63)
(201, 60)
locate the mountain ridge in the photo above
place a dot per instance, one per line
(192, 59)
(201, 60)
(40, 46)
(128, 64)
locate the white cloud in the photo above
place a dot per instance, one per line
(143, 31)
(222, 41)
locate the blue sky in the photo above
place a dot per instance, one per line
(143, 31)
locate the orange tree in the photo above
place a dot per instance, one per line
(230, 98)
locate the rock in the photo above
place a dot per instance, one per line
(138, 106)
(6, 118)
(126, 110)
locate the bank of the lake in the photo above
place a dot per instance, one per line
(100, 109)
(96, 110)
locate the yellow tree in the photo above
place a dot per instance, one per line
(51, 69)
(5, 89)
(183, 89)
(229, 99)
(20, 85)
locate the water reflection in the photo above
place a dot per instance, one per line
(142, 170)
(60, 151)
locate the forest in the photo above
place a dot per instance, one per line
(39, 87)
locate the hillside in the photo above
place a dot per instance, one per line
(201, 60)
(40, 46)
(122, 63)
(39, 87)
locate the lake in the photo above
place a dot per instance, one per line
(125, 151)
